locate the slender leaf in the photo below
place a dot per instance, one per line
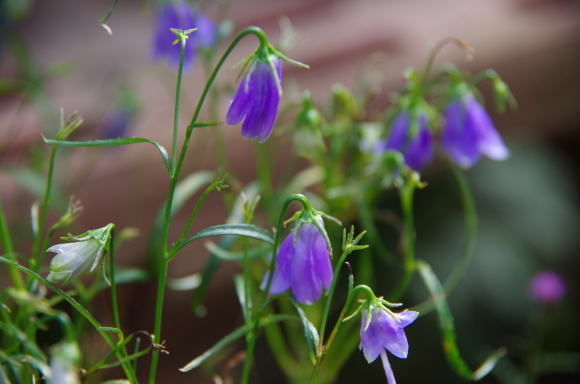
(226, 255)
(272, 319)
(241, 292)
(246, 230)
(310, 332)
(250, 192)
(447, 327)
(112, 143)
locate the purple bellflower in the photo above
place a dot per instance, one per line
(547, 287)
(382, 330)
(180, 15)
(257, 99)
(303, 264)
(468, 132)
(417, 151)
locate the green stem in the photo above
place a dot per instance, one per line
(409, 260)
(177, 102)
(9, 250)
(37, 253)
(435, 50)
(174, 174)
(329, 301)
(326, 348)
(471, 223)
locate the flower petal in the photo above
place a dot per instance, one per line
(398, 134)
(489, 141)
(242, 101)
(459, 136)
(374, 337)
(306, 285)
(281, 279)
(421, 148)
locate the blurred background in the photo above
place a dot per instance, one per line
(54, 54)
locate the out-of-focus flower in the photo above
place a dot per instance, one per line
(547, 287)
(257, 99)
(468, 132)
(63, 364)
(381, 330)
(73, 258)
(418, 149)
(180, 15)
(303, 264)
(115, 124)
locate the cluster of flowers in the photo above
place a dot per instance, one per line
(467, 132)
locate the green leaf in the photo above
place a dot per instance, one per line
(246, 230)
(112, 143)
(241, 292)
(272, 319)
(310, 332)
(237, 256)
(447, 327)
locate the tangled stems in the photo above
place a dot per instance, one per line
(174, 175)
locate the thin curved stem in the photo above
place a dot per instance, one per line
(37, 255)
(409, 261)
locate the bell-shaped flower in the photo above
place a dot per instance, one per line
(73, 258)
(468, 132)
(382, 330)
(303, 265)
(180, 15)
(417, 149)
(257, 99)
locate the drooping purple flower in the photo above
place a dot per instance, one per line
(383, 332)
(547, 287)
(468, 133)
(257, 99)
(180, 15)
(417, 151)
(303, 264)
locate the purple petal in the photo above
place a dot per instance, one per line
(459, 136)
(406, 317)
(206, 35)
(398, 134)
(306, 284)
(242, 101)
(178, 15)
(387, 368)
(281, 279)
(374, 338)
(421, 149)
(489, 141)
(261, 117)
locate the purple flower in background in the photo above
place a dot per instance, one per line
(257, 99)
(180, 15)
(303, 264)
(116, 123)
(384, 331)
(547, 287)
(468, 132)
(418, 151)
